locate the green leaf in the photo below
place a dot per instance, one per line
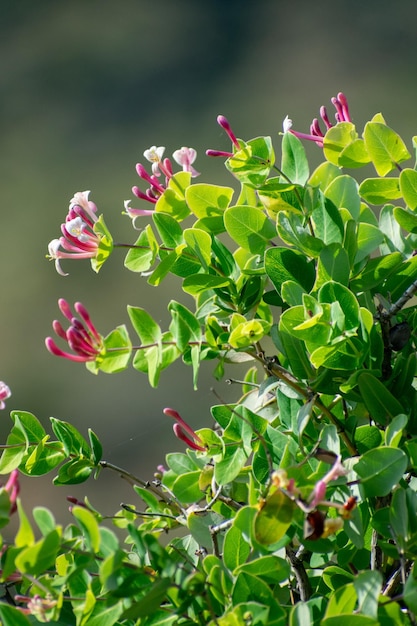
(25, 535)
(26, 430)
(270, 568)
(74, 472)
(150, 335)
(199, 283)
(333, 265)
(301, 615)
(141, 257)
(234, 459)
(249, 227)
(376, 271)
(332, 292)
(96, 447)
(44, 520)
(117, 352)
(381, 470)
(293, 231)
(384, 146)
(367, 437)
(253, 162)
(172, 201)
(282, 264)
(323, 175)
(73, 441)
(104, 615)
(200, 243)
(328, 224)
(368, 239)
(380, 190)
(394, 431)
(149, 603)
(368, 587)
(168, 228)
(410, 591)
(88, 523)
(408, 186)
(343, 191)
(208, 201)
(10, 616)
(337, 139)
(105, 245)
(354, 155)
(37, 558)
(45, 457)
(406, 219)
(235, 548)
(185, 327)
(294, 349)
(294, 162)
(273, 518)
(380, 402)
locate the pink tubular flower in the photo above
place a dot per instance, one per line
(81, 336)
(319, 492)
(224, 123)
(184, 432)
(13, 488)
(4, 394)
(316, 134)
(78, 237)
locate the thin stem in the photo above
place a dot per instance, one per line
(135, 480)
(297, 566)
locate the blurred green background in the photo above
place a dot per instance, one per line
(86, 86)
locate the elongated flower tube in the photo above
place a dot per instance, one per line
(81, 336)
(13, 488)
(4, 394)
(316, 134)
(224, 123)
(79, 239)
(184, 432)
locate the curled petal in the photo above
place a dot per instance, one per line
(286, 124)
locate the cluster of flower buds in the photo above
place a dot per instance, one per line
(4, 394)
(184, 432)
(36, 605)
(317, 524)
(224, 123)
(316, 133)
(160, 167)
(78, 237)
(81, 336)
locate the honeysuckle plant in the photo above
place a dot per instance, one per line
(296, 503)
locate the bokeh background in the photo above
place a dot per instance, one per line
(85, 87)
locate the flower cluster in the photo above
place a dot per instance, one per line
(316, 134)
(160, 167)
(78, 237)
(317, 524)
(81, 336)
